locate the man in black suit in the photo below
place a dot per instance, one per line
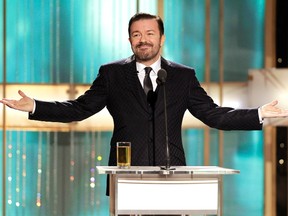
(138, 119)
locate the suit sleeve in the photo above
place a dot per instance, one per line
(203, 107)
(91, 102)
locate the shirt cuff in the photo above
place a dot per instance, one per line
(34, 107)
(261, 120)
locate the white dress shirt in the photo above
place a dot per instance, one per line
(156, 66)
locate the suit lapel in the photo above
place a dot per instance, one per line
(135, 86)
(133, 82)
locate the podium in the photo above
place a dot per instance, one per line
(185, 190)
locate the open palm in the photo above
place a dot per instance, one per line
(25, 103)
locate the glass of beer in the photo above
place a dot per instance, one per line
(124, 154)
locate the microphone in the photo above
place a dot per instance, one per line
(161, 80)
(162, 75)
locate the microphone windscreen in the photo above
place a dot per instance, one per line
(162, 75)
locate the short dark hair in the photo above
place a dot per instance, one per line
(140, 16)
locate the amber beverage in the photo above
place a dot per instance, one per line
(123, 154)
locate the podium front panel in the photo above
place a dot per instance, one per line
(166, 196)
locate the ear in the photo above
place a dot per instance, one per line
(162, 40)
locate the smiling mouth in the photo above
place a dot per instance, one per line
(144, 47)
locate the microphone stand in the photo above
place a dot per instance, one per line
(162, 80)
(167, 167)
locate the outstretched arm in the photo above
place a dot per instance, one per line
(270, 110)
(25, 103)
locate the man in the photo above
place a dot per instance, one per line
(119, 87)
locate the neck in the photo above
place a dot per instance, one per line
(148, 62)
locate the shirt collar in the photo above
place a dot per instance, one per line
(156, 66)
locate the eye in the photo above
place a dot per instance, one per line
(150, 33)
(135, 35)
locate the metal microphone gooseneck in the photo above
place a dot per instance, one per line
(161, 80)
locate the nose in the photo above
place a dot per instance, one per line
(142, 38)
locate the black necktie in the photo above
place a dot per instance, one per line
(147, 81)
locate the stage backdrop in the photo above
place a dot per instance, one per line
(51, 170)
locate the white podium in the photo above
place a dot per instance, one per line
(186, 190)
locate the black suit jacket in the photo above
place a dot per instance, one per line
(118, 88)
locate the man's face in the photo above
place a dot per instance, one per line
(146, 41)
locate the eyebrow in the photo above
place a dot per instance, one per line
(145, 31)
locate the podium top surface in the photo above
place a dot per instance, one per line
(193, 170)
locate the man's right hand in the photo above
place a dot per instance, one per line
(25, 103)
